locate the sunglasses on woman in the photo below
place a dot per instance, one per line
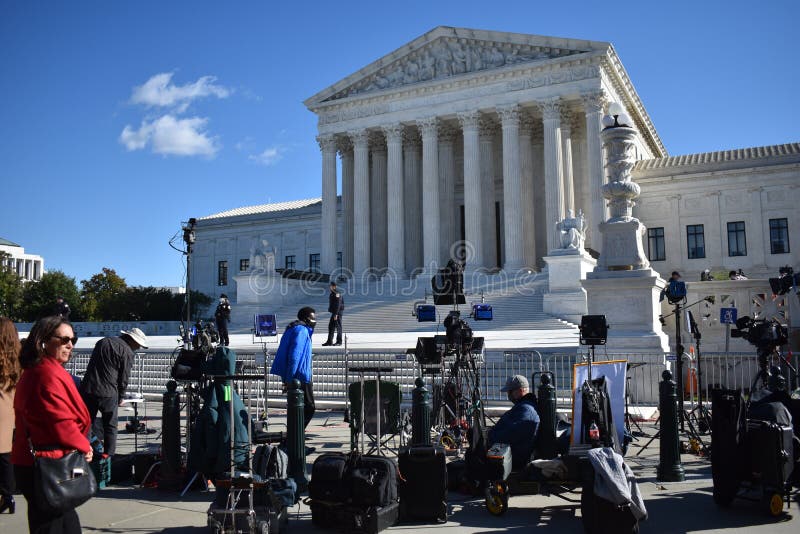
(66, 339)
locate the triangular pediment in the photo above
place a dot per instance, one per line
(446, 52)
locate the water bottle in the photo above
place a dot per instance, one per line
(594, 432)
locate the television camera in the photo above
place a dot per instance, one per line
(787, 279)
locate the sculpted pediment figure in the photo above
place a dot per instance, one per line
(447, 56)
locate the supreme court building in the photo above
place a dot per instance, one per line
(473, 144)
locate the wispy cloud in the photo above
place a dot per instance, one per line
(269, 156)
(170, 135)
(159, 91)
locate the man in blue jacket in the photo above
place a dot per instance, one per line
(518, 426)
(293, 359)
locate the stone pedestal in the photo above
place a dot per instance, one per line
(566, 298)
(629, 300)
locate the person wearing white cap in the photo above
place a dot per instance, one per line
(519, 425)
(106, 379)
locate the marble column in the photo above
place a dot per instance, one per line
(553, 169)
(447, 185)
(566, 156)
(412, 175)
(361, 230)
(345, 148)
(486, 132)
(593, 103)
(527, 194)
(473, 220)
(512, 188)
(540, 199)
(327, 144)
(430, 198)
(394, 196)
(377, 199)
(756, 245)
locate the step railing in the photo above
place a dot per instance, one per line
(151, 371)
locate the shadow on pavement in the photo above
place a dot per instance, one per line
(701, 513)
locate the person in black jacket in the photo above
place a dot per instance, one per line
(335, 307)
(106, 379)
(222, 315)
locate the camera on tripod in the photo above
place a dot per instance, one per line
(762, 333)
(785, 281)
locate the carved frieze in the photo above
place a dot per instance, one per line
(450, 56)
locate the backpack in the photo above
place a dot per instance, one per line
(270, 462)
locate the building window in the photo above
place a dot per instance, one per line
(339, 260)
(222, 273)
(737, 241)
(655, 244)
(695, 241)
(313, 262)
(779, 236)
(289, 262)
(244, 265)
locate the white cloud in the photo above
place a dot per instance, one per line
(159, 91)
(169, 135)
(270, 156)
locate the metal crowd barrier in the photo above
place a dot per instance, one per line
(151, 371)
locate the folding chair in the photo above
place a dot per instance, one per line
(391, 423)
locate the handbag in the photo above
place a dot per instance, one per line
(62, 484)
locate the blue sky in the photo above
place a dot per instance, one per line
(119, 120)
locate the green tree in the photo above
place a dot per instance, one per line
(10, 290)
(39, 298)
(101, 296)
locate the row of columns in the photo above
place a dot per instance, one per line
(409, 195)
(27, 269)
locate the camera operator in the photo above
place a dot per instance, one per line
(519, 425)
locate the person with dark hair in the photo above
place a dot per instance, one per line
(9, 376)
(222, 316)
(106, 379)
(293, 357)
(50, 413)
(335, 307)
(61, 308)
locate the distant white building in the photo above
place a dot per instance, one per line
(28, 266)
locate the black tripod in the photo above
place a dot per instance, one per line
(699, 414)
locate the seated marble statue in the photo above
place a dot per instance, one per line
(262, 257)
(571, 231)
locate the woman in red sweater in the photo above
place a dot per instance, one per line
(49, 410)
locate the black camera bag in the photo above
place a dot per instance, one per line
(372, 481)
(327, 476)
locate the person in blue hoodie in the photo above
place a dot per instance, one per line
(293, 358)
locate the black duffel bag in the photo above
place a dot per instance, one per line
(62, 484)
(372, 481)
(327, 476)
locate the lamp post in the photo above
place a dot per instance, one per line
(189, 237)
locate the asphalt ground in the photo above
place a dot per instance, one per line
(672, 507)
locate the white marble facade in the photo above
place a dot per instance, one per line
(499, 132)
(504, 128)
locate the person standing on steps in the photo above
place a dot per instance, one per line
(335, 307)
(222, 315)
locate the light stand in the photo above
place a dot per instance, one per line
(704, 418)
(189, 237)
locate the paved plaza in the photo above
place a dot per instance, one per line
(674, 507)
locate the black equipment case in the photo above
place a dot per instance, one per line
(355, 493)
(423, 483)
(369, 520)
(771, 449)
(498, 461)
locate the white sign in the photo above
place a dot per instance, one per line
(615, 372)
